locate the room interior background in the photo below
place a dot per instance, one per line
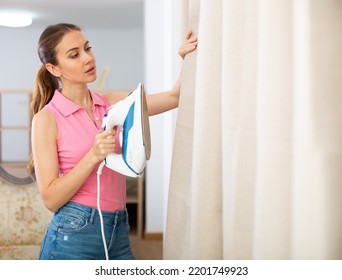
(137, 39)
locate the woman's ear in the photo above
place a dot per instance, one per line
(54, 70)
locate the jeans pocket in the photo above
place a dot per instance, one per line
(70, 222)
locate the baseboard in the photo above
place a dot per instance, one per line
(153, 236)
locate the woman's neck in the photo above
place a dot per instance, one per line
(78, 94)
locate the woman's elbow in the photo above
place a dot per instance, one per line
(50, 205)
(49, 202)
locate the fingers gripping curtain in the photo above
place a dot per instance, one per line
(256, 169)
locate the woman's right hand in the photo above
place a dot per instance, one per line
(104, 144)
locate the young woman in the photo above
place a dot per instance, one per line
(68, 144)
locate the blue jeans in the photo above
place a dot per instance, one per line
(75, 234)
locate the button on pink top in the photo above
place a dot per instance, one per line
(76, 134)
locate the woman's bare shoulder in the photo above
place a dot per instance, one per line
(44, 120)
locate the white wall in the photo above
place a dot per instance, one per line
(18, 58)
(123, 51)
(161, 71)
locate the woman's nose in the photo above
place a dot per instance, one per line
(88, 57)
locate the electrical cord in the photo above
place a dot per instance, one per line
(99, 172)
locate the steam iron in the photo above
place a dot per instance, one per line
(130, 115)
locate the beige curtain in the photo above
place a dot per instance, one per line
(257, 163)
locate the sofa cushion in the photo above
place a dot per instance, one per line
(21, 252)
(23, 220)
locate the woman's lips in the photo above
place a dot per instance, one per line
(91, 70)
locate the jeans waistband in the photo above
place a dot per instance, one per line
(92, 214)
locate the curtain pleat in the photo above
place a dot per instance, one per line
(239, 83)
(317, 134)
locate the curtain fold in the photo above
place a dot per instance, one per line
(256, 169)
(239, 82)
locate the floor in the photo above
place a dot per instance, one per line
(146, 249)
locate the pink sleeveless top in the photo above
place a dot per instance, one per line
(76, 134)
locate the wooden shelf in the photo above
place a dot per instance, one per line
(135, 195)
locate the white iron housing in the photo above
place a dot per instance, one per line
(131, 117)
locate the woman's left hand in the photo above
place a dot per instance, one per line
(165, 101)
(188, 46)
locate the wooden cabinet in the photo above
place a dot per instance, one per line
(135, 204)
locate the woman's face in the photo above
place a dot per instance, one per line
(76, 61)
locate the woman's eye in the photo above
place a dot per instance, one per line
(74, 55)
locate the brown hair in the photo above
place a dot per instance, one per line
(45, 83)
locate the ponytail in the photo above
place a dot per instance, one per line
(43, 90)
